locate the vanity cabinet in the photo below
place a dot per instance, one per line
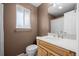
(50, 54)
(42, 52)
(70, 22)
(47, 49)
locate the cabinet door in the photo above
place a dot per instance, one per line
(52, 54)
(42, 52)
(49, 54)
(70, 22)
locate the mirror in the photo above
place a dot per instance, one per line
(62, 19)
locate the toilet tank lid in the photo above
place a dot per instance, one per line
(32, 47)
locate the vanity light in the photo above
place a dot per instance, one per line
(56, 5)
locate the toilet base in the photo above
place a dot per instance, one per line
(23, 54)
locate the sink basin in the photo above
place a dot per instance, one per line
(49, 37)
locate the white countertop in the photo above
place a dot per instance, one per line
(65, 43)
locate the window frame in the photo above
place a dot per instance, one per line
(25, 9)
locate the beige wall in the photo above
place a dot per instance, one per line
(51, 17)
(43, 21)
(16, 42)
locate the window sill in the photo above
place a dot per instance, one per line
(22, 30)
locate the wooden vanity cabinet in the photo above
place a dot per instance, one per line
(47, 49)
(50, 54)
(42, 52)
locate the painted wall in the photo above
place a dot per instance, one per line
(1, 31)
(16, 42)
(43, 21)
(77, 29)
(51, 17)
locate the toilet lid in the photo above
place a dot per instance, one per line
(32, 47)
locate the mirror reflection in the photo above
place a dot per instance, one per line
(62, 18)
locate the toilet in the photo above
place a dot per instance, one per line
(31, 50)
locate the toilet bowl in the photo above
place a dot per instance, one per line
(31, 50)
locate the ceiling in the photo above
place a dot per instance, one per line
(36, 4)
(59, 9)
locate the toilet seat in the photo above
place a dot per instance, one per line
(32, 47)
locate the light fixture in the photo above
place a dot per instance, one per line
(54, 4)
(60, 7)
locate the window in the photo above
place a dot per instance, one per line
(22, 18)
